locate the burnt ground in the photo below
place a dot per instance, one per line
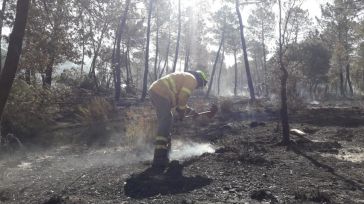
(324, 166)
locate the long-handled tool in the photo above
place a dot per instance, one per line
(210, 113)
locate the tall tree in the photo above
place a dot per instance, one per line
(58, 17)
(245, 53)
(215, 64)
(146, 69)
(14, 50)
(189, 36)
(220, 70)
(2, 16)
(178, 36)
(262, 24)
(117, 51)
(236, 74)
(156, 44)
(96, 50)
(163, 37)
(257, 55)
(233, 46)
(284, 77)
(220, 30)
(299, 22)
(339, 23)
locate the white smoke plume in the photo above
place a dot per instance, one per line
(185, 149)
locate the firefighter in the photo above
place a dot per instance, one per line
(169, 92)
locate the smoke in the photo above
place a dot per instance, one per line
(62, 160)
(355, 155)
(185, 149)
(25, 165)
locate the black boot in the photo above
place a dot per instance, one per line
(174, 169)
(160, 160)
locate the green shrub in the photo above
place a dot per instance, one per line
(31, 110)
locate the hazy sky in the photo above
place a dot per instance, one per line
(313, 6)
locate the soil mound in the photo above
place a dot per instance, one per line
(144, 185)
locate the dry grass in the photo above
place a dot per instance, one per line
(141, 126)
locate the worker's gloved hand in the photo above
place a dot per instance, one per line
(188, 110)
(193, 113)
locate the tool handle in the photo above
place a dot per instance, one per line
(198, 114)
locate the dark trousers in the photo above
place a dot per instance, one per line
(163, 137)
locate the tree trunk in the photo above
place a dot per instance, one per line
(1, 29)
(165, 66)
(214, 67)
(83, 56)
(92, 73)
(14, 51)
(243, 44)
(255, 77)
(83, 41)
(113, 58)
(108, 80)
(117, 54)
(284, 111)
(326, 92)
(145, 79)
(236, 75)
(221, 64)
(178, 36)
(187, 57)
(258, 78)
(27, 75)
(264, 62)
(362, 78)
(156, 48)
(349, 79)
(315, 90)
(117, 71)
(342, 87)
(47, 80)
(311, 90)
(52, 46)
(129, 76)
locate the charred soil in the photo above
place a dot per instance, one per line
(323, 166)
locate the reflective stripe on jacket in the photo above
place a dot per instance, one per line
(176, 87)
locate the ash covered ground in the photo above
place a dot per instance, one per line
(233, 158)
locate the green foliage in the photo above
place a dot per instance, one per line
(339, 21)
(311, 58)
(31, 110)
(358, 72)
(70, 77)
(48, 40)
(73, 78)
(262, 22)
(315, 60)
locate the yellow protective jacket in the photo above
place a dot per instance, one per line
(176, 87)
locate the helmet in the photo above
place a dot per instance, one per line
(203, 78)
(200, 77)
